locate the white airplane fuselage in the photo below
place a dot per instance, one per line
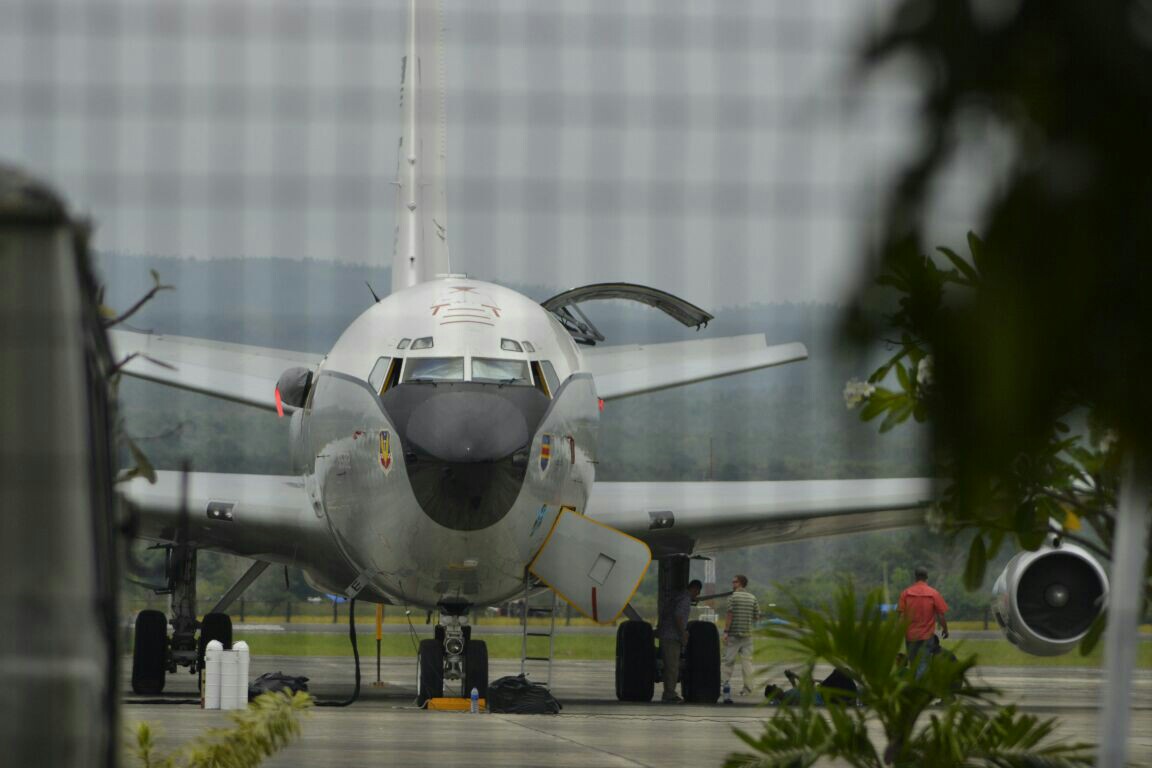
(441, 468)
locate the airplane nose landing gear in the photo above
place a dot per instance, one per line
(452, 656)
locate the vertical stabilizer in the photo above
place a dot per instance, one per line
(421, 245)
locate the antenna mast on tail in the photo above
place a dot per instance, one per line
(421, 244)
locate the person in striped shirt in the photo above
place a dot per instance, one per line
(743, 613)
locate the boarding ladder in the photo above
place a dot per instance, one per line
(540, 605)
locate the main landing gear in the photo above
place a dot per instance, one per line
(452, 663)
(155, 653)
(637, 655)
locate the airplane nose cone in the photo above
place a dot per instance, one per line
(467, 427)
(465, 447)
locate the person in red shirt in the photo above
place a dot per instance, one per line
(922, 607)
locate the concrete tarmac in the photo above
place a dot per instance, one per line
(384, 727)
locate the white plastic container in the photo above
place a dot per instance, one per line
(242, 660)
(211, 683)
(229, 673)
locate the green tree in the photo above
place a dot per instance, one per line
(1030, 353)
(1050, 328)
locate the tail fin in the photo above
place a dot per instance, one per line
(421, 244)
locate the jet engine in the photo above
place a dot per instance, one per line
(1046, 601)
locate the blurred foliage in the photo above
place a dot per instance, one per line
(1038, 338)
(269, 723)
(939, 718)
(1065, 479)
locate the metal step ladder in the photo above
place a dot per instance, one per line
(537, 606)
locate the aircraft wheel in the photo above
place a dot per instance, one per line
(215, 626)
(476, 668)
(149, 652)
(430, 671)
(635, 661)
(700, 681)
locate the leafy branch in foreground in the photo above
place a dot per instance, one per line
(939, 718)
(1063, 478)
(268, 725)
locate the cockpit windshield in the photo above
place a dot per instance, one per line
(489, 369)
(417, 369)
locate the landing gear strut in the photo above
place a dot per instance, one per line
(155, 653)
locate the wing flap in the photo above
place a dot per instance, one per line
(622, 371)
(237, 372)
(704, 516)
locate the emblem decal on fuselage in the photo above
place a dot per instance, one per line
(539, 519)
(385, 451)
(545, 451)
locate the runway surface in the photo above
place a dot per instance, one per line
(386, 728)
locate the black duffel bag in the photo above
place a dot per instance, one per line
(276, 681)
(515, 695)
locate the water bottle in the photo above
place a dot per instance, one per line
(727, 693)
(475, 701)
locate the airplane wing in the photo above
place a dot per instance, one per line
(679, 517)
(237, 372)
(621, 371)
(264, 517)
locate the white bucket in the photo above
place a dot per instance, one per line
(211, 682)
(242, 657)
(229, 673)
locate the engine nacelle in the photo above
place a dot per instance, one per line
(1046, 601)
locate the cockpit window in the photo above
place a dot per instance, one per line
(418, 369)
(403, 343)
(489, 369)
(424, 342)
(508, 345)
(528, 347)
(379, 372)
(550, 376)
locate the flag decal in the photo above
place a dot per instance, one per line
(545, 451)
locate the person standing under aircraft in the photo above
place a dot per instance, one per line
(922, 607)
(743, 613)
(672, 629)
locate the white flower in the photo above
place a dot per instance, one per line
(856, 392)
(924, 372)
(934, 517)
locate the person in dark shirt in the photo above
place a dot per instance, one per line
(672, 629)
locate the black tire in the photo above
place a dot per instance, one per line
(635, 661)
(476, 668)
(150, 652)
(430, 671)
(700, 680)
(215, 626)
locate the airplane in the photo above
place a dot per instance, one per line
(444, 457)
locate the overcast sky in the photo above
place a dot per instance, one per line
(711, 148)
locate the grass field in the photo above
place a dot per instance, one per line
(991, 653)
